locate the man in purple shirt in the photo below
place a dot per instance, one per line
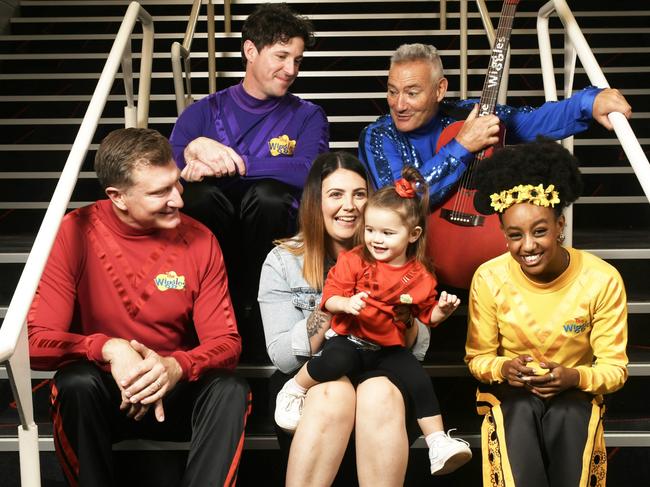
(245, 153)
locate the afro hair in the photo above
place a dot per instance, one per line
(541, 162)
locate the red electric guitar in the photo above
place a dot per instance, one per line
(459, 237)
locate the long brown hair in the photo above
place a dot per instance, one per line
(310, 242)
(413, 211)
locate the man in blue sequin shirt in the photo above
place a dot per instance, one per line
(409, 134)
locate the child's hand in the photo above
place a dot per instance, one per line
(356, 303)
(447, 304)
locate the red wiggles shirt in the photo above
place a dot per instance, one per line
(165, 288)
(387, 286)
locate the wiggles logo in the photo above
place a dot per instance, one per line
(282, 146)
(170, 280)
(575, 327)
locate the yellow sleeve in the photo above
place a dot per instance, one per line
(482, 342)
(608, 340)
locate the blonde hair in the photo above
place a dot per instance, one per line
(311, 240)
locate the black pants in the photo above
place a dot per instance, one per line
(246, 217)
(532, 442)
(210, 413)
(341, 357)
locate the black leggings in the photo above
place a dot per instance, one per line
(341, 357)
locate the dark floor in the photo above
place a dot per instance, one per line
(628, 467)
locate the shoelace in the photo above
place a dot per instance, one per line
(456, 439)
(294, 398)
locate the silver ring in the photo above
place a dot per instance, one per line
(552, 376)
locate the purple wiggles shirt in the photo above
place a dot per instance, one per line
(277, 138)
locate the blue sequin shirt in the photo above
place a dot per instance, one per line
(385, 150)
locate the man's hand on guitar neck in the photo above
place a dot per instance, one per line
(607, 101)
(479, 132)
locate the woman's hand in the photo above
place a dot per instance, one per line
(557, 380)
(516, 372)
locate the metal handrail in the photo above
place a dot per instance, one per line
(576, 46)
(14, 348)
(181, 53)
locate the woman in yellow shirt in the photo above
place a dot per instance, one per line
(547, 329)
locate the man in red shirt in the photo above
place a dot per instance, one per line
(133, 312)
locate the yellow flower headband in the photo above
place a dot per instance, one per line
(536, 195)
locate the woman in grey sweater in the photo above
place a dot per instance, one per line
(295, 329)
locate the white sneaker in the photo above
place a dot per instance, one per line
(288, 409)
(446, 454)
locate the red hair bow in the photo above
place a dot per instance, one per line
(404, 188)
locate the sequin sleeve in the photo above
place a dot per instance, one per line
(385, 151)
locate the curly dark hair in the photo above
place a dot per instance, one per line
(540, 162)
(275, 22)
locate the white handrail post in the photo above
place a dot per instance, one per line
(546, 53)
(463, 49)
(226, 16)
(18, 369)
(146, 63)
(569, 72)
(177, 70)
(212, 53)
(181, 53)
(130, 117)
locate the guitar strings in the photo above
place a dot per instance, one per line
(463, 201)
(490, 99)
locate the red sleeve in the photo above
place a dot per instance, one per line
(214, 320)
(51, 344)
(342, 278)
(426, 307)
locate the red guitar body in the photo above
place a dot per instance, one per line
(459, 238)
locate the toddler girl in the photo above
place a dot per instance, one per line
(373, 292)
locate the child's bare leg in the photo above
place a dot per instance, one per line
(290, 400)
(304, 379)
(445, 453)
(431, 424)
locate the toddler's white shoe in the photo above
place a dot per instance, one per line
(446, 454)
(288, 409)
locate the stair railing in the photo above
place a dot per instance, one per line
(14, 348)
(181, 53)
(575, 45)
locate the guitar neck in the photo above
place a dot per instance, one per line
(494, 75)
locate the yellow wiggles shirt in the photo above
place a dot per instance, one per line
(579, 316)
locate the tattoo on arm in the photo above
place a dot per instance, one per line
(316, 321)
